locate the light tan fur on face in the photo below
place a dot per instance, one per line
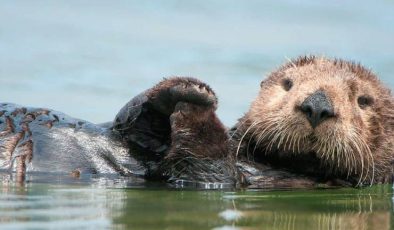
(356, 142)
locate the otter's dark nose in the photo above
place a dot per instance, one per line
(317, 108)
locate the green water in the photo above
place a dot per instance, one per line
(102, 205)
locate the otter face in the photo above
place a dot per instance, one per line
(336, 110)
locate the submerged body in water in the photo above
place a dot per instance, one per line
(316, 121)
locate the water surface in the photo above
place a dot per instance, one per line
(102, 205)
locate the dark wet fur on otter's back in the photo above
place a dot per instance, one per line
(45, 141)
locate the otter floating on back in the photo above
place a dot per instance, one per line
(315, 121)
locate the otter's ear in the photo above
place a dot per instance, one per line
(263, 82)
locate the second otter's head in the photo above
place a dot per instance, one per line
(335, 110)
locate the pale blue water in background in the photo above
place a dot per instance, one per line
(88, 58)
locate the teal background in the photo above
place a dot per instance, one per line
(88, 58)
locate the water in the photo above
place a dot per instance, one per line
(88, 58)
(99, 206)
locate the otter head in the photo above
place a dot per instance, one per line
(334, 110)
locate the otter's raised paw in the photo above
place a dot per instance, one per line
(150, 122)
(165, 95)
(199, 131)
(199, 148)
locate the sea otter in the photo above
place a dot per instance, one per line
(315, 121)
(321, 117)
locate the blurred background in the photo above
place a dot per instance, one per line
(88, 58)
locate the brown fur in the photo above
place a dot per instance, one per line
(194, 125)
(357, 144)
(173, 129)
(168, 92)
(199, 146)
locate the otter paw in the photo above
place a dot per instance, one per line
(187, 115)
(165, 95)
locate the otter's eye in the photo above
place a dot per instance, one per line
(365, 101)
(287, 84)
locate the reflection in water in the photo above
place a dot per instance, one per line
(103, 203)
(328, 209)
(56, 207)
(323, 209)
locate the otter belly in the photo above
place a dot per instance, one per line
(41, 140)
